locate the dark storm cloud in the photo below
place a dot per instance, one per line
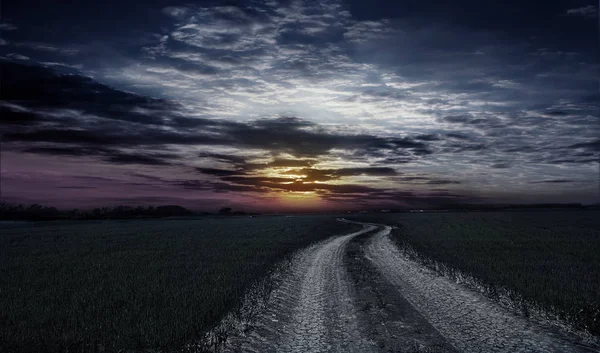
(306, 139)
(428, 137)
(457, 135)
(267, 184)
(332, 174)
(68, 151)
(215, 186)
(557, 113)
(413, 178)
(500, 165)
(41, 88)
(108, 155)
(93, 179)
(464, 119)
(132, 138)
(292, 163)
(294, 180)
(303, 180)
(572, 161)
(238, 161)
(591, 146)
(139, 158)
(457, 148)
(17, 56)
(483, 122)
(553, 181)
(200, 185)
(100, 117)
(424, 180)
(396, 198)
(17, 117)
(371, 171)
(217, 172)
(337, 192)
(69, 136)
(376, 84)
(442, 182)
(243, 166)
(255, 180)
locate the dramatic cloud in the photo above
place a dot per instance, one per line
(586, 11)
(593, 146)
(74, 116)
(17, 56)
(554, 181)
(313, 104)
(7, 27)
(77, 110)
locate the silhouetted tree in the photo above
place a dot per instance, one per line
(37, 212)
(225, 211)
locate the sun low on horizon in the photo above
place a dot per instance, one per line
(298, 105)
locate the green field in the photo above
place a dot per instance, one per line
(551, 259)
(136, 285)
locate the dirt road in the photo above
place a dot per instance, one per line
(468, 320)
(312, 310)
(398, 306)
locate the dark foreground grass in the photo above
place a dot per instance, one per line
(136, 285)
(549, 258)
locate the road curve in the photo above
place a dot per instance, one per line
(468, 320)
(311, 310)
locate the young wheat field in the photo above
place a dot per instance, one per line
(136, 285)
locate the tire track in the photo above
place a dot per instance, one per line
(311, 310)
(468, 320)
(392, 323)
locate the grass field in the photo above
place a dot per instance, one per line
(548, 259)
(136, 285)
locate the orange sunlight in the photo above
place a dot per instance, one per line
(307, 200)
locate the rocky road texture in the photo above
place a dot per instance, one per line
(312, 309)
(391, 321)
(358, 293)
(468, 320)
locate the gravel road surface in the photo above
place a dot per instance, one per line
(312, 310)
(368, 297)
(468, 320)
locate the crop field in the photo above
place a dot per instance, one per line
(162, 285)
(549, 260)
(136, 285)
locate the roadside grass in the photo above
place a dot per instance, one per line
(543, 260)
(113, 286)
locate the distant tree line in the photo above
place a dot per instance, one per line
(37, 212)
(486, 207)
(492, 207)
(228, 211)
(28, 212)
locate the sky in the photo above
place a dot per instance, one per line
(299, 105)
